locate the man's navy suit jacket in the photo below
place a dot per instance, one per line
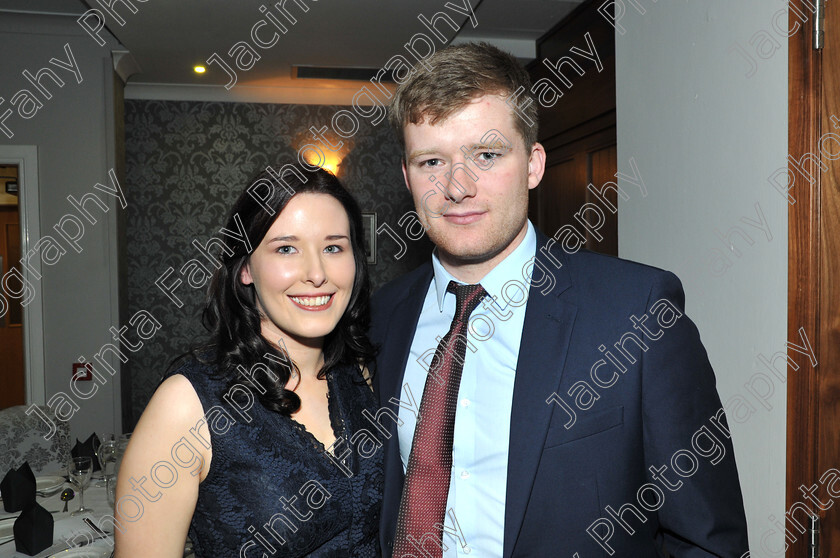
(564, 473)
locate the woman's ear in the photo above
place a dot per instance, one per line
(245, 275)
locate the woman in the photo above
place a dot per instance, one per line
(256, 445)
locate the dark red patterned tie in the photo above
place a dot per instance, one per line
(421, 517)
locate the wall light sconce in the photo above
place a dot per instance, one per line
(331, 161)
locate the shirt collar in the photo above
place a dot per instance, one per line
(514, 266)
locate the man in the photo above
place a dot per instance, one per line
(572, 411)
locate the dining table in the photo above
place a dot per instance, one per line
(72, 536)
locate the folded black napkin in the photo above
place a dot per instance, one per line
(33, 530)
(18, 488)
(86, 449)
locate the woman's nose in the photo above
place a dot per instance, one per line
(315, 272)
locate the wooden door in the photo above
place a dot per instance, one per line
(813, 192)
(11, 330)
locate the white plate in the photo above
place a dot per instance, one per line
(7, 532)
(84, 552)
(48, 484)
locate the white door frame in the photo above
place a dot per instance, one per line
(26, 158)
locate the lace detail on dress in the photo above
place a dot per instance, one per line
(274, 486)
(336, 423)
(336, 418)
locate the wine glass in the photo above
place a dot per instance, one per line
(80, 470)
(106, 453)
(95, 444)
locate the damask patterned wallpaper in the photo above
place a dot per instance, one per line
(186, 162)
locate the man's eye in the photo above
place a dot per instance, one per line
(430, 163)
(488, 155)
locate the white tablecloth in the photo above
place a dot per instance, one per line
(66, 528)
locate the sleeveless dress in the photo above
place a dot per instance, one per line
(272, 489)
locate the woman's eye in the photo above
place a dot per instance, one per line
(286, 249)
(333, 249)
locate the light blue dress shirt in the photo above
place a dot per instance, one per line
(475, 519)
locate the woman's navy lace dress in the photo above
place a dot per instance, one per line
(273, 490)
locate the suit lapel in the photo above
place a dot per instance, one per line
(542, 353)
(390, 367)
(396, 345)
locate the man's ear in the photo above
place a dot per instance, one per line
(536, 165)
(405, 175)
(245, 274)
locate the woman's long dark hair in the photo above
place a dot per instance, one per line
(231, 314)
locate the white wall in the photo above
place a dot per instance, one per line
(706, 137)
(74, 134)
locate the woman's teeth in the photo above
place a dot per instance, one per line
(311, 300)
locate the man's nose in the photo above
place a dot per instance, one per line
(459, 182)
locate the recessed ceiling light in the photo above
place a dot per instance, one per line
(199, 69)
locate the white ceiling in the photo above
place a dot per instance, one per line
(168, 37)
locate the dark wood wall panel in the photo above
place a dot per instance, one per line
(578, 131)
(602, 169)
(555, 203)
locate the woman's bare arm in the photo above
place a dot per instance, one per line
(156, 449)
